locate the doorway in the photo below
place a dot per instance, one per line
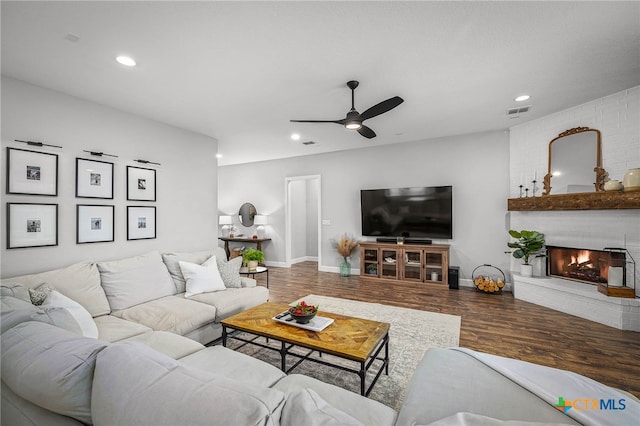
(303, 216)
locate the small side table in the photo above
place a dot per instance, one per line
(259, 270)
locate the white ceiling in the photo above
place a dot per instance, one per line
(239, 71)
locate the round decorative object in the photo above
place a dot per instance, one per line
(488, 279)
(631, 180)
(303, 313)
(613, 185)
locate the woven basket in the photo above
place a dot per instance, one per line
(488, 279)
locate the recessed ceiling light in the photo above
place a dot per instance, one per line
(218, 155)
(125, 60)
(295, 137)
(522, 98)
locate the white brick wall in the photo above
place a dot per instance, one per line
(618, 118)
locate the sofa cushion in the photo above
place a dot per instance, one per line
(17, 411)
(172, 313)
(129, 282)
(113, 329)
(233, 300)
(39, 294)
(225, 362)
(130, 378)
(15, 290)
(87, 326)
(230, 271)
(50, 367)
(202, 278)
(15, 311)
(171, 260)
(306, 407)
(170, 344)
(80, 282)
(363, 409)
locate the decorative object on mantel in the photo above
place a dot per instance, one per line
(345, 246)
(34, 143)
(613, 185)
(605, 200)
(574, 155)
(618, 276)
(488, 279)
(631, 180)
(529, 244)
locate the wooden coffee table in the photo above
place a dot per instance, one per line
(354, 339)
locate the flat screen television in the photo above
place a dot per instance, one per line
(425, 212)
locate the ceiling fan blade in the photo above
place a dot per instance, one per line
(367, 132)
(381, 108)
(318, 121)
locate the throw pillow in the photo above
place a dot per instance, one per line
(230, 272)
(40, 293)
(81, 315)
(15, 290)
(202, 278)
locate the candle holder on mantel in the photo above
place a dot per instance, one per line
(534, 187)
(526, 192)
(520, 186)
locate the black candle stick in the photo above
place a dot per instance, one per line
(520, 186)
(526, 192)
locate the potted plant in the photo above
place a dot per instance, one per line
(345, 247)
(528, 244)
(372, 269)
(252, 257)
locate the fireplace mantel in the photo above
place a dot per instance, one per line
(581, 201)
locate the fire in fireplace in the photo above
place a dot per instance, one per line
(589, 266)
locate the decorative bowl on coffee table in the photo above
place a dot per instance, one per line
(303, 313)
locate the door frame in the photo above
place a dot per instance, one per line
(288, 215)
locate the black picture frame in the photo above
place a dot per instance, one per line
(94, 179)
(141, 222)
(141, 184)
(32, 172)
(95, 223)
(32, 225)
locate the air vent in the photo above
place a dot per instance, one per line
(515, 112)
(308, 143)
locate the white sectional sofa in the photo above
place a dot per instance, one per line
(142, 370)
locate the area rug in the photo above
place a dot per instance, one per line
(412, 332)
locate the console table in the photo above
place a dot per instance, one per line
(257, 241)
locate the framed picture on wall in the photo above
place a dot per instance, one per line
(141, 222)
(32, 225)
(141, 184)
(31, 172)
(94, 179)
(94, 223)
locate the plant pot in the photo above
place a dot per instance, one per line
(526, 270)
(252, 265)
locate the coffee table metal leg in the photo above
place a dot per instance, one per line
(224, 336)
(283, 355)
(363, 375)
(386, 356)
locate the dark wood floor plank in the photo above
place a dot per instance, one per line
(497, 324)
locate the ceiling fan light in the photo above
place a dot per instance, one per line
(353, 125)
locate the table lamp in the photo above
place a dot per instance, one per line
(260, 220)
(226, 222)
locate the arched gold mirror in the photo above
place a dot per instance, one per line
(575, 162)
(246, 214)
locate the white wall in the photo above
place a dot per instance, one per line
(186, 180)
(312, 218)
(476, 166)
(298, 199)
(618, 118)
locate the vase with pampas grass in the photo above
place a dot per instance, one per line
(345, 246)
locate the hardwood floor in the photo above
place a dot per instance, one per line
(497, 324)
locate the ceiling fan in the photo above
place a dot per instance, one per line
(353, 120)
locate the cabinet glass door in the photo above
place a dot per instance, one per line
(389, 263)
(412, 266)
(371, 262)
(433, 267)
